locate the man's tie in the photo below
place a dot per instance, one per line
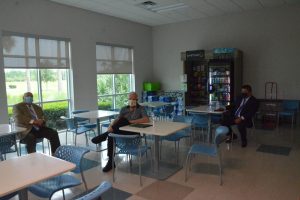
(238, 111)
(33, 116)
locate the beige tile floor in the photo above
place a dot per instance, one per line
(248, 174)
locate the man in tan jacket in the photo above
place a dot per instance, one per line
(31, 117)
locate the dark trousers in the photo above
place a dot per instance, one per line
(43, 132)
(228, 120)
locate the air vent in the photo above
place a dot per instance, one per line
(154, 7)
(148, 4)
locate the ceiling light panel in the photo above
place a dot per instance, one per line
(248, 4)
(272, 3)
(225, 5)
(204, 7)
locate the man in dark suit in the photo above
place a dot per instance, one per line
(242, 114)
(31, 117)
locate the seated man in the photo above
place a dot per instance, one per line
(242, 114)
(131, 114)
(31, 117)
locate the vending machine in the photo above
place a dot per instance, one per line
(213, 76)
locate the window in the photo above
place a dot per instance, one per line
(39, 65)
(115, 77)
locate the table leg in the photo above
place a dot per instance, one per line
(156, 152)
(98, 127)
(209, 138)
(23, 194)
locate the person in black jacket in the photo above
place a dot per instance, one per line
(242, 114)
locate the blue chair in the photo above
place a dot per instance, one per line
(9, 196)
(289, 110)
(176, 137)
(208, 150)
(76, 130)
(8, 144)
(168, 111)
(129, 145)
(38, 140)
(80, 121)
(200, 121)
(47, 188)
(106, 123)
(97, 192)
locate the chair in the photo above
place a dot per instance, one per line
(176, 137)
(208, 150)
(80, 121)
(76, 130)
(96, 193)
(38, 140)
(199, 121)
(6, 144)
(47, 188)
(168, 111)
(106, 123)
(289, 110)
(9, 196)
(129, 145)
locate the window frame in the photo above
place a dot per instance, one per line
(113, 59)
(39, 100)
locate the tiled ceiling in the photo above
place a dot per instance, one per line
(187, 10)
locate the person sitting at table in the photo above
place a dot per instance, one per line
(131, 114)
(241, 114)
(31, 116)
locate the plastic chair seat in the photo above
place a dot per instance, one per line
(133, 150)
(80, 130)
(48, 187)
(176, 136)
(203, 149)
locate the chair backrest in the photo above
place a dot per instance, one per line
(72, 154)
(292, 105)
(70, 122)
(126, 141)
(6, 142)
(96, 193)
(220, 134)
(168, 109)
(199, 119)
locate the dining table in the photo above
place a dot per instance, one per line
(18, 173)
(159, 129)
(209, 110)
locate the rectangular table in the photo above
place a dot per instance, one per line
(160, 128)
(20, 172)
(98, 115)
(209, 110)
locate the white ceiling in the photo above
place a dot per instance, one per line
(195, 9)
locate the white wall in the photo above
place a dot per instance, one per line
(269, 39)
(84, 29)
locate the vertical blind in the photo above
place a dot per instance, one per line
(114, 59)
